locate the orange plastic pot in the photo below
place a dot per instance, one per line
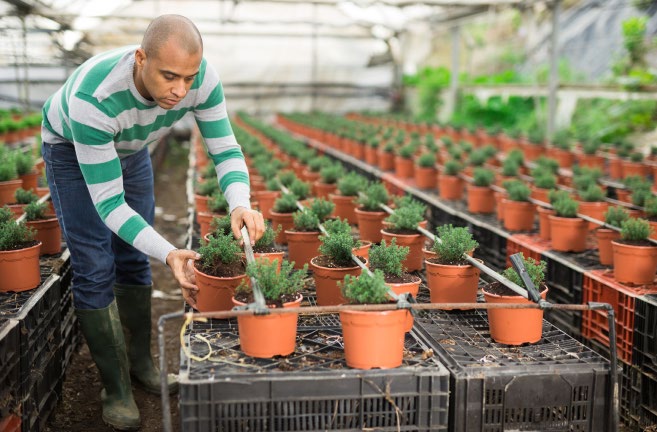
(404, 168)
(323, 190)
(270, 257)
(371, 156)
(629, 168)
(201, 203)
(514, 326)
(326, 282)
(375, 339)
(302, 246)
(540, 194)
(480, 199)
(363, 250)
(310, 176)
(216, 293)
(19, 269)
(49, 233)
(204, 220)
(518, 215)
(285, 221)
(345, 207)
(425, 177)
(266, 336)
(624, 195)
(568, 234)
(605, 251)
(591, 161)
(266, 201)
(409, 287)
(386, 160)
(544, 222)
(452, 283)
(30, 180)
(370, 224)
(499, 206)
(595, 210)
(8, 190)
(634, 264)
(450, 187)
(615, 168)
(415, 242)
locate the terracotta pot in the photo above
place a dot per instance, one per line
(310, 176)
(540, 194)
(204, 220)
(480, 199)
(201, 203)
(452, 283)
(19, 269)
(285, 221)
(629, 168)
(653, 225)
(404, 168)
(591, 161)
(371, 156)
(266, 336)
(216, 293)
(634, 264)
(450, 187)
(323, 190)
(16, 209)
(326, 282)
(409, 287)
(544, 222)
(615, 168)
(302, 246)
(425, 177)
(564, 157)
(8, 190)
(605, 237)
(533, 151)
(270, 257)
(42, 191)
(257, 184)
(345, 207)
(30, 180)
(518, 215)
(375, 339)
(49, 233)
(363, 250)
(514, 326)
(415, 242)
(386, 160)
(568, 234)
(624, 195)
(370, 224)
(499, 206)
(595, 210)
(266, 201)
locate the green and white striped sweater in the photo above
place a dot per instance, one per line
(101, 112)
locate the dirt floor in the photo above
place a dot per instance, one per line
(80, 408)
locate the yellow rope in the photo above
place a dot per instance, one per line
(188, 320)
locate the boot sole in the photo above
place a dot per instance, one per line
(153, 390)
(120, 427)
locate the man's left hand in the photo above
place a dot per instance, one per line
(252, 219)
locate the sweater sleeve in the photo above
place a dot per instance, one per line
(213, 122)
(93, 132)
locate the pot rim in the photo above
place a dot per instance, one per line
(337, 268)
(22, 249)
(633, 246)
(298, 300)
(483, 289)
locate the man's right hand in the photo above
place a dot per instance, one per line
(181, 262)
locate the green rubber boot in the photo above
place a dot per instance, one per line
(102, 330)
(135, 310)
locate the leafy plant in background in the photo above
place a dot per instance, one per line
(429, 83)
(388, 258)
(322, 208)
(616, 215)
(274, 283)
(375, 194)
(635, 229)
(454, 243)
(535, 270)
(483, 176)
(365, 289)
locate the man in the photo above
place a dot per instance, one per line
(96, 130)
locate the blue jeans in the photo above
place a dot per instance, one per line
(99, 258)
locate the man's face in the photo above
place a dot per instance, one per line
(168, 75)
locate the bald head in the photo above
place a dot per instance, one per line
(176, 27)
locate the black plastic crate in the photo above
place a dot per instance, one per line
(70, 338)
(629, 387)
(492, 246)
(564, 281)
(569, 322)
(45, 388)
(644, 349)
(310, 390)
(556, 384)
(648, 407)
(9, 366)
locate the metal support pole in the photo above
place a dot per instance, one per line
(554, 71)
(454, 79)
(314, 56)
(26, 79)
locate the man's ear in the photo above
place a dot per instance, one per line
(140, 57)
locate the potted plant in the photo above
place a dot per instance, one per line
(635, 258)
(9, 181)
(518, 211)
(389, 258)
(46, 226)
(345, 200)
(332, 265)
(303, 238)
(267, 197)
(544, 181)
(592, 204)
(450, 185)
(404, 162)
(450, 277)
(372, 339)
(362, 248)
(25, 169)
(281, 215)
(371, 150)
(369, 213)
(328, 178)
(562, 150)
(217, 205)
(425, 171)
(22, 198)
(589, 156)
(568, 231)
(386, 156)
(516, 326)
(19, 255)
(315, 165)
(650, 208)
(266, 336)
(480, 194)
(634, 165)
(203, 193)
(218, 272)
(300, 189)
(404, 223)
(614, 216)
(545, 212)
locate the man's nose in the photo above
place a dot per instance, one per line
(179, 89)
